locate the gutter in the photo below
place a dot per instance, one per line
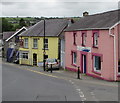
(115, 58)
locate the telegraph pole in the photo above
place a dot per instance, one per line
(44, 47)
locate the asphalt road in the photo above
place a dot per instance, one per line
(24, 85)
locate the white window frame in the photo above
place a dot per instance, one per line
(25, 42)
(94, 64)
(84, 39)
(35, 43)
(24, 55)
(74, 59)
(95, 39)
(118, 69)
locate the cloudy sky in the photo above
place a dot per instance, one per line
(55, 8)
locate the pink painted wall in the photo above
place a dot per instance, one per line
(105, 48)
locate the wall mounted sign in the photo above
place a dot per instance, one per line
(85, 49)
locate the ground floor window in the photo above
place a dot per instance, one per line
(119, 67)
(24, 55)
(74, 57)
(97, 63)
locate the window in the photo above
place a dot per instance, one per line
(46, 43)
(24, 55)
(35, 43)
(97, 63)
(74, 57)
(95, 39)
(26, 43)
(119, 67)
(74, 38)
(84, 39)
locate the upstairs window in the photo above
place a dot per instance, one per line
(74, 38)
(84, 39)
(35, 43)
(46, 44)
(26, 43)
(95, 39)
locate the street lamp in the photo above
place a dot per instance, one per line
(44, 48)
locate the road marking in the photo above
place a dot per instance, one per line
(93, 96)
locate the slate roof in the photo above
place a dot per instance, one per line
(53, 27)
(97, 21)
(6, 35)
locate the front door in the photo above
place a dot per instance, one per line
(35, 59)
(84, 63)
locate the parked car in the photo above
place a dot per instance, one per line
(54, 62)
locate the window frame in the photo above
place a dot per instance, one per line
(84, 35)
(25, 54)
(73, 62)
(74, 38)
(94, 58)
(93, 61)
(46, 44)
(118, 67)
(95, 38)
(25, 42)
(35, 43)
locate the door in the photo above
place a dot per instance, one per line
(35, 59)
(84, 63)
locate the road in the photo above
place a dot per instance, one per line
(24, 85)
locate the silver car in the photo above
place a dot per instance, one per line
(54, 62)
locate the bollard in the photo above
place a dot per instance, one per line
(78, 73)
(51, 68)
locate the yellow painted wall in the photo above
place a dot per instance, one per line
(52, 51)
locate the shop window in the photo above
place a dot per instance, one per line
(119, 67)
(97, 63)
(24, 55)
(74, 58)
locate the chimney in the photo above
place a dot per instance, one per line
(85, 13)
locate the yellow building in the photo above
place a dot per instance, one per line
(32, 41)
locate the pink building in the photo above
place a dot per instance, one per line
(92, 43)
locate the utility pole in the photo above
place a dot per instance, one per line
(44, 47)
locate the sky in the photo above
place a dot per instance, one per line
(55, 8)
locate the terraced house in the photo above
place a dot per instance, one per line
(93, 44)
(32, 40)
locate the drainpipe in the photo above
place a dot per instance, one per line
(115, 67)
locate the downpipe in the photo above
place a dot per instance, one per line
(115, 67)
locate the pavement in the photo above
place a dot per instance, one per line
(68, 75)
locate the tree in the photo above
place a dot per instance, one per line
(6, 26)
(22, 23)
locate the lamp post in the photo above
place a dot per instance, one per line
(44, 47)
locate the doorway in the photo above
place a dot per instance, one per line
(83, 61)
(35, 59)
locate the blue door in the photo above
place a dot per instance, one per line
(84, 63)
